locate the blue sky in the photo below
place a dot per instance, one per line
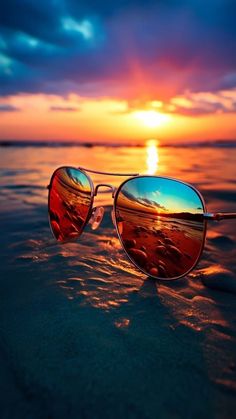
(91, 47)
(161, 194)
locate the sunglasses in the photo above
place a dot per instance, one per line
(161, 222)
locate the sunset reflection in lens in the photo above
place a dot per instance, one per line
(69, 202)
(161, 225)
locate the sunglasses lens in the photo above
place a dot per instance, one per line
(70, 201)
(161, 225)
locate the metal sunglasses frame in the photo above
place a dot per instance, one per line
(214, 216)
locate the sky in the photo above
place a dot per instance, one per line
(166, 195)
(115, 71)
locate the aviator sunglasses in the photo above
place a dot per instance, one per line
(161, 222)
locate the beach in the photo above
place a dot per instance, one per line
(84, 334)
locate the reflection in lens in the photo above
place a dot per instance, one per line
(161, 225)
(69, 202)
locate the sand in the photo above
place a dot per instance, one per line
(84, 335)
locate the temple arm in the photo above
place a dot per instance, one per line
(108, 173)
(219, 215)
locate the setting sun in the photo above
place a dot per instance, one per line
(151, 119)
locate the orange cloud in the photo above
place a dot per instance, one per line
(46, 117)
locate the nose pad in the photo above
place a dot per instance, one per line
(96, 218)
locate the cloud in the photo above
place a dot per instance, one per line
(150, 203)
(8, 108)
(64, 108)
(188, 104)
(143, 202)
(202, 103)
(127, 49)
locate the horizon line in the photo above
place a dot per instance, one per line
(123, 143)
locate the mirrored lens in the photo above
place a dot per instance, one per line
(161, 225)
(70, 201)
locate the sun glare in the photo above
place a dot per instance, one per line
(151, 119)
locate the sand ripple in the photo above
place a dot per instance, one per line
(79, 324)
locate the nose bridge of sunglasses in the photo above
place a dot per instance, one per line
(105, 185)
(98, 212)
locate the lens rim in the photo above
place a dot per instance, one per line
(91, 203)
(204, 224)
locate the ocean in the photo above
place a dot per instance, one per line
(82, 332)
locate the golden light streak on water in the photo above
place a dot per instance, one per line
(152, 159)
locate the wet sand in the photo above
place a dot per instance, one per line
(170, 244)
(83, 334)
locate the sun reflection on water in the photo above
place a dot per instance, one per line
(152, 159)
